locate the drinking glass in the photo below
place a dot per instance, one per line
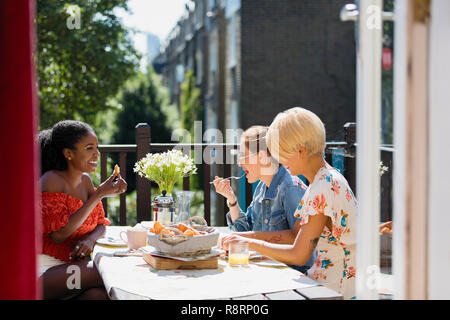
(238, 254)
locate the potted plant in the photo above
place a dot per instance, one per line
(165, 169)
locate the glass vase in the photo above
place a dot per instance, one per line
(184, 199)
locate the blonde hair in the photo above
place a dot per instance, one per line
(295, 128)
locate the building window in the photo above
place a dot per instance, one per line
(234, 115)
(234, 85)
(199, 14)
(213, 55)
(231, 6)
(180, 73)
(211, 4)
(232, 44)
(199, 64)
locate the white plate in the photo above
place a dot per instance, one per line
(109, 241)
(269, 263)
(146, 224)
(252, 254)
(151, 250)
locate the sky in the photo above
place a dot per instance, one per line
(155, 16)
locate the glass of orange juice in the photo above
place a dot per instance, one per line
(238, 254)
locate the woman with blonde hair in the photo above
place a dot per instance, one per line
(326, 214)
(276, 195)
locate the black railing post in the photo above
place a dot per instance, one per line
(143, 192)
(386, 186)
(226, 174)
(103, 175)
(186, 180)
(248, 195)
(207, 191)
(350, 155)
(350, 133)
(123, 199)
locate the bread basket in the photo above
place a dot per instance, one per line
(180, 245)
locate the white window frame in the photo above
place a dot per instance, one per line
(368, 115)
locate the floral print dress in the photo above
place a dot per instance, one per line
(330, 194)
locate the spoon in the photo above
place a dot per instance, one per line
(230, 178)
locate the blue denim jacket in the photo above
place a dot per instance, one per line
(272, 209)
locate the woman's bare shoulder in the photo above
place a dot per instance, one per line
(51, 181)
(87, 181)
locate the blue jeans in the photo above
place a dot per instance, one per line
(302, 269)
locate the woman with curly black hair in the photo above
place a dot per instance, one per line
(72, 213)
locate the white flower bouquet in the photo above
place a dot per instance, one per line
(165, 168)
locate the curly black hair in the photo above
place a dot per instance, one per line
(64, 134)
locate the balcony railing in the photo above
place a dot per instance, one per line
(340, 154)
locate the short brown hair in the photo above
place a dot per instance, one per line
(255, 136)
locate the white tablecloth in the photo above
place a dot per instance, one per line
(134, 275)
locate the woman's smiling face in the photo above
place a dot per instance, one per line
(85, 154)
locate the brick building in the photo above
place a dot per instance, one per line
(297, 53)
(255, 58)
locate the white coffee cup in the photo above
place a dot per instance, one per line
(135, 238)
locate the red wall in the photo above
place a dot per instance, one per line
(19, 219)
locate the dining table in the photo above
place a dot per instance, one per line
(129, 277)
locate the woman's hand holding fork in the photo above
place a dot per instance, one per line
(223, 187)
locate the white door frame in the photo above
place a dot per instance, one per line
(439, 152)
(411, 162)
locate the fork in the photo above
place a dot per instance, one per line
(230, 178)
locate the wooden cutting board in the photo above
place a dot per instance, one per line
(160, 263)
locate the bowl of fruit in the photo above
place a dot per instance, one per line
(187, 239)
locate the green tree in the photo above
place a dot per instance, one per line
(191, 110)
(144, 99)
(81, 69)
(190, 103)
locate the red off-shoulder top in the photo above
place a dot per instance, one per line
(57, 207)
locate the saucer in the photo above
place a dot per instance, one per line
(109, 241)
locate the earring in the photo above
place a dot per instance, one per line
(70, 159)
